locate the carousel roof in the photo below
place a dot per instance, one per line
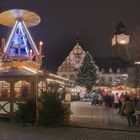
(16, 72)
(9, 17)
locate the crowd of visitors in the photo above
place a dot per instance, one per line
(125, 103)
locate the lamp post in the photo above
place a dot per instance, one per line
(120, 41)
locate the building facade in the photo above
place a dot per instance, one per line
(113, 69)
(71, 64)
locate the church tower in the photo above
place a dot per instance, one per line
(120, 42)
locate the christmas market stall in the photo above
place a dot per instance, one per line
(21, 78)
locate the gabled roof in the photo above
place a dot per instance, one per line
(75, 55)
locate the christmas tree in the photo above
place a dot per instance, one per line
(88, 73)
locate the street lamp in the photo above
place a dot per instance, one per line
(120, 41)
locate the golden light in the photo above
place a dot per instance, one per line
(58, 77)
(114, 41)
(120, 36)
(31, 54)
(31, 50)
(33, 71)
(123, 39)
(57, 81)
(40, 43)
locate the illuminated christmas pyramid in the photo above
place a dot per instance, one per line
(20, 46)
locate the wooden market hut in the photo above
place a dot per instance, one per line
(16, 85)
(20, 75)
(19, 85)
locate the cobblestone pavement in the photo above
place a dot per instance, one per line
(15, 132)
(86, 123)
(85, 115)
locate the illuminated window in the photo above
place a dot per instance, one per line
(41, 87)
(110, 70)
(4, 89)
(72, 77)
(22, 89)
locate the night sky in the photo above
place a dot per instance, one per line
(95, 21)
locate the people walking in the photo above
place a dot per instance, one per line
(107, 109)
(128, 108)
(95, 99)
(121, 100)
(116, 101)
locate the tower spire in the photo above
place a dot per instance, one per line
(77, 37)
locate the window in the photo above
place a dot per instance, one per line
(22, 89)
(118, 70)
(41, 87)
(72, 77)
(103, 78)
(110, 78)
(110, 70)
(4, 89)
(65, 76)
(102, 70)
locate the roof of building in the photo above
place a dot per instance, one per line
(120, 28)
(110, 62)
(15, 72)
(73, 60)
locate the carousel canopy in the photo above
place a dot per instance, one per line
(16, 72)
(9, 17)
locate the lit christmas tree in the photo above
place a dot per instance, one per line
(88, 74)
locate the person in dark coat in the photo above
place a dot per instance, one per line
(108, 100)
(128, 108)
(108, 105)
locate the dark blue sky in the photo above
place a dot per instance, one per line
(61, 19)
